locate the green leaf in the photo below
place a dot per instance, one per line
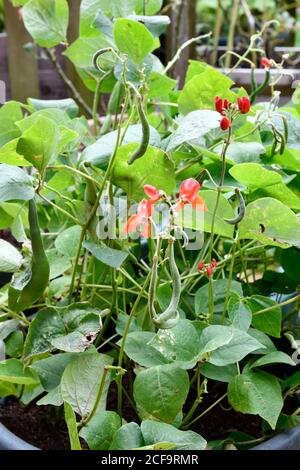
(160, 392)
(290, 261)
(152, 6)
(68, 105)
(47, 22)
(81, 380)
(200, 91)
(221, 374)
(226, 344)
(256, 393)
(7, 327)
(154, 432)
(270, 222)
(264, 340)
(50, 370)
(8, 389)
(179, 344)
(13, 371)
(157, 25)
(105, 254)
(88, 12)
(239, 313)
(193, 127)
(159, 85)
(124, 8)
(70, 419)
(9, 114)
(10, 258)
(254, 175)
(70, 329)
(276, 357)
(39, 143)
(14, 344)
(128, 437)
(268, 322)
(100, 430)
(291, 382)
(15, 184)
(67, 241)
(243, 152)
(58, 263)
(81, 53)
(153, 168)
(100, 152)
(138, 347)
(281, 192)
(9, 155)
(220, 289)
(133, 39)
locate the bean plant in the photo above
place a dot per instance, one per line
(156, 244)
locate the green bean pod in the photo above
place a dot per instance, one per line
(260, 88)
(20, 300)
(141, 150)
(241, 212)
(170, 317)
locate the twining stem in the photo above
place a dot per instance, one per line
(228, 290)
(52, 56)
(60, 209)
(96, 204)
(281, 304)
(85, 421)
(219, 189)
(217, 32)
(198, 400)
(207, 410)
(121, 353)
(233, 21)
(95, 106)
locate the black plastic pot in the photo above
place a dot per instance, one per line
(288, 440)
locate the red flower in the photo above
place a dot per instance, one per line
(213, 263)
(219, 104)
(244, 104)
(152, 192)
(145, 210)
(188, 194)
(225, 123)
(209, 271)
(200, 265)
(266, 63)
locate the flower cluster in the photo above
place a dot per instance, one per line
(188, 194)
(229, 110)
(209, 268)
(266, 63)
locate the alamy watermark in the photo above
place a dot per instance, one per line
(186, 224)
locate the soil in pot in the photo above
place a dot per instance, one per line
(39, 426)
(36, 425)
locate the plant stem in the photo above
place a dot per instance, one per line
(282, 304)
(95, 106)
(217, 32)
(230, 38)
(60, 209)
(121, 353)
(82, 237)
(219, 189)
(98, 398)
(207, 410)
(52, 56)
(228, 290)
